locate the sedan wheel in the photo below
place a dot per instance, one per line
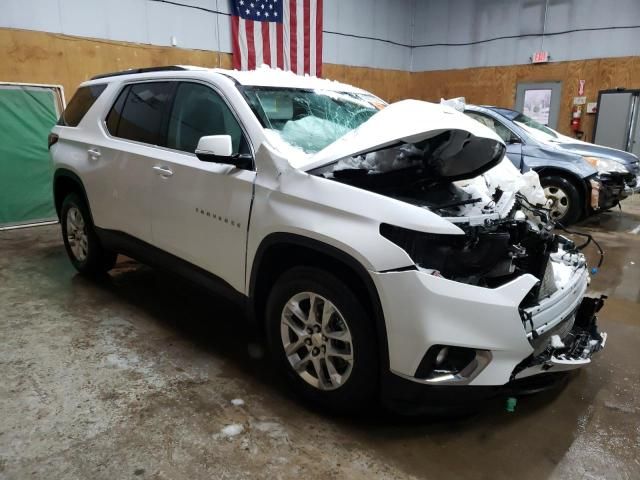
(559, 202)
(565, 202)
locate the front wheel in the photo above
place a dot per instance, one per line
(564, 199)
(80, 240)
(322, 338)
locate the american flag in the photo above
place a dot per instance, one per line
(280, 33)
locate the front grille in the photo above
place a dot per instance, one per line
(548, 285)
(541, 342)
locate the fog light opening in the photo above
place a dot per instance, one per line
(446, 363)
(442, 355)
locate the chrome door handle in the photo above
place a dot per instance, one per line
(94, 153)
(163, 171)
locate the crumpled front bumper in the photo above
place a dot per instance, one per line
(607, 192)
(632, 186)
(571, 350)
(423, 310)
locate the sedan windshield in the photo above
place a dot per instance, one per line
(522, 119)
(309, 120)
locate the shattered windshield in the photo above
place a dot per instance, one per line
(309, 120)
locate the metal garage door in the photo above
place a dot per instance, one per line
(617, 119)
(27, 113)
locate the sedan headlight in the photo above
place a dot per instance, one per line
(606, 165)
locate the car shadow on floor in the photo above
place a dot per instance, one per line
(207, 330)
(217, 328)
(221, 328)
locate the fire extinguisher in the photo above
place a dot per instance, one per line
(576, 113)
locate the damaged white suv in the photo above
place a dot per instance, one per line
(376, 247)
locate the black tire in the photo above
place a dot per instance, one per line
(97, 260)
(360, 387)
(568, 192)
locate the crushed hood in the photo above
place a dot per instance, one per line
(464, 148)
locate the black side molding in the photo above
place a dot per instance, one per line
(155, 257)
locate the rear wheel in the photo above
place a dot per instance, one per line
(80, 240)
(565, 199)
(321, 337)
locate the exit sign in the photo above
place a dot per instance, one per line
(540, 57)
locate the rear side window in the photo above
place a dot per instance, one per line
(113, 119)
(80, 104)
(141, 112)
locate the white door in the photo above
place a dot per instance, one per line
(200, 210)
(136, 122)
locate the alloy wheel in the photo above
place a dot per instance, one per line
(77, 234)
(316, 341)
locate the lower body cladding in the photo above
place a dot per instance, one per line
(453, 342)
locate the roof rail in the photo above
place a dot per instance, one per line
(168, 68)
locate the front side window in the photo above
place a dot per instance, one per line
(503, 132)
(141, 112)
(80, 104)
(309, 120)
(199, 111)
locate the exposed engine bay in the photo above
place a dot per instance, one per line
(508, 231)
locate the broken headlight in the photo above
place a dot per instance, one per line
(458, 257)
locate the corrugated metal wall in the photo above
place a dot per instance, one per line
(468, 22)
(412, 35)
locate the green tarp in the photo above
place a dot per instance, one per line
(26, 117)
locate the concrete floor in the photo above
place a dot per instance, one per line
(134, 377)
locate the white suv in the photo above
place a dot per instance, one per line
(384, 251)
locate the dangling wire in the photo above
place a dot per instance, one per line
(543, 212)
(587, 242)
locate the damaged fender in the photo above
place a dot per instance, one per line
(337, 214)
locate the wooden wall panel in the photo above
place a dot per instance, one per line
(390, 85)
(497, 85)
(39, 57)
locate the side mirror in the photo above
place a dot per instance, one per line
(215, 148)
(219, 149)
(513, 140)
